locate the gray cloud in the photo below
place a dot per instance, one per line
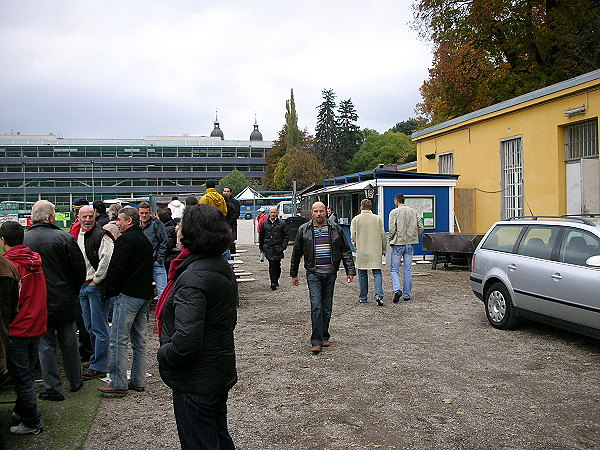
(137, 68)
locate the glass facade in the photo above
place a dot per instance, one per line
(56, 169)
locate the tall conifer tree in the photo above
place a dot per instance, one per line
(349, 136)
(327, 131)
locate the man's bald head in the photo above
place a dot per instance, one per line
(319, 213)
(87, 217)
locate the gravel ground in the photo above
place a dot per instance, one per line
(428, 373)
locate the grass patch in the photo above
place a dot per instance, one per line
(66, 423)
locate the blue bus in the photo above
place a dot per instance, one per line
(249, 207)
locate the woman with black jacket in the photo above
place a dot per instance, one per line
(196, 316)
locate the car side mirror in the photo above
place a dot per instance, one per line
(593, 261)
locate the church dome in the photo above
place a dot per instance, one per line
(256, 135)
(217, 132)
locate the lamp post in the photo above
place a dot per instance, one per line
(24, 186)
(93, 189)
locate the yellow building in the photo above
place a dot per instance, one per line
(536, 154)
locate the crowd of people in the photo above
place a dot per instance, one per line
(89, 290)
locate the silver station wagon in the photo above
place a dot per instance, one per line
(541, 268)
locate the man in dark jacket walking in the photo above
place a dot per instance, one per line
(64, 269)
(323, 245)
(129, 278)
(233, 213)
(272, 241)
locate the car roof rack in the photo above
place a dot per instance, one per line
(575, 217)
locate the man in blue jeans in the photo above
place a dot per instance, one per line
(129, 279)
(405, 228)
(156, 233)
(370, 242)
(323, 245)
(97, 246)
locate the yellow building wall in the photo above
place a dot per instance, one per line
(476, 147)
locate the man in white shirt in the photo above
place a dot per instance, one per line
(97, 246)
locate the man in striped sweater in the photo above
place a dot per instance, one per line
(323, 245)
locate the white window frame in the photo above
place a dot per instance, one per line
(446, 163)
(511, 177)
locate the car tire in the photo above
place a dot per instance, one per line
(248, 216)
(499, 307)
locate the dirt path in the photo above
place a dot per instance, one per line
(428, 373)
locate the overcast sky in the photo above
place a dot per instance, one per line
(136, 68)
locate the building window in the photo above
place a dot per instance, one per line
(582, 140)
(446, 163)
(511, 159)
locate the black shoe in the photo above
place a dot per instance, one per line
(397, 296)
(76, 388)
(273, 287)
(406, 299)
(379, 301)
(51, 397)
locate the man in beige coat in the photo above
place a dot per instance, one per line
(405, 228)
(368, 237)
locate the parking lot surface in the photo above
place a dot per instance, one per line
(427, 373)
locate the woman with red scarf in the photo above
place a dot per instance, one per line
(195, 318)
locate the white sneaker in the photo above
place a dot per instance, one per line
(24, 429)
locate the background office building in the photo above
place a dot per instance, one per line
(60, 169)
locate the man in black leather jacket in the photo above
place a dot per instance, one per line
(272, 241)
(64, 269)
(323, 246)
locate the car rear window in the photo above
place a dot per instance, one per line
(503, 238)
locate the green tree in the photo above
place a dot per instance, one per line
(409, 126)
(289, 136)
(487, 51)
(291, 130)
(349, 137)
(300, 165)
(236, 180)
(326, 135)
(386, 148)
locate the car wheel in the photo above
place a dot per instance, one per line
(499, 307)
(248, 216)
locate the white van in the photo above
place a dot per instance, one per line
(285, 209)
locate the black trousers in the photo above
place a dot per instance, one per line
(274, 271)
(202, 421)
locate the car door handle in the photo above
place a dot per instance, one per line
(556, 276)
(512, 267)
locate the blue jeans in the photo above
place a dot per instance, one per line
(320, 290)
(202, 420)
(129, 323)
(95, 318)
(404, 253)
(66, 332)
(160, 278)
(363, 280)
(22, 359)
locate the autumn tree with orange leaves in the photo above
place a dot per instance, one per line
(488, 51)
